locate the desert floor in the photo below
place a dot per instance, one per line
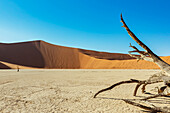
(62, 91)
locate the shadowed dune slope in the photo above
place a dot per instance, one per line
(40, 54)
(105, 55)
(3, 66)
(25, 54)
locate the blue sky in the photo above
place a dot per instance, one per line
(87, 24)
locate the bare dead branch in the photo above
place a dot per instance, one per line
(151, 109)
(136, 89)
(133, 36)
(161, 90)
(119, 83)
(139, 105)
(155, 96)
(143, 88)
(163, 65)
(137, 50)
(143, 54)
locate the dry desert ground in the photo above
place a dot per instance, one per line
(71, 91)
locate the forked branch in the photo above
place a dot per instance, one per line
(137, 50)
(133, 36)
(143, 54)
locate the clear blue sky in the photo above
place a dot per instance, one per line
(88, 24)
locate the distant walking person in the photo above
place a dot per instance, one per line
(17, 68)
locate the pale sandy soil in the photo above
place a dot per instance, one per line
(71, 91)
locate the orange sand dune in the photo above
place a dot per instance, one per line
(40, 54)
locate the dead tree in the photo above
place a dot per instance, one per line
(148, 55)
